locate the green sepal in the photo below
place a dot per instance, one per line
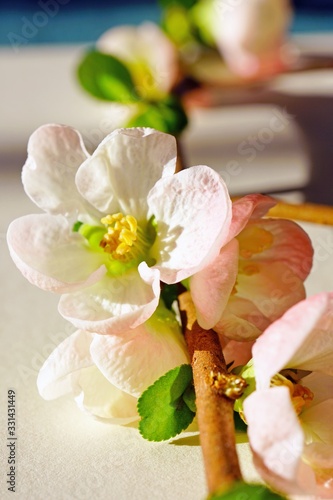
(247, 491)
(162, 408)
(167, 115)
(107, 78)
(247, 372)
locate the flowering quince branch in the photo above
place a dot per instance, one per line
(119, 224)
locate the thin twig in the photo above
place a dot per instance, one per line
(215, 411)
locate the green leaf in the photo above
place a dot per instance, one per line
(163, 411)
(106, 78)
(247, 492)
(167, 115)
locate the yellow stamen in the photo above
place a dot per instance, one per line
(120, 236)
(301, 396)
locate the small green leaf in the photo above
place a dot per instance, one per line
(247, 492)
(106, 78)
(163, 411)
(167, 115)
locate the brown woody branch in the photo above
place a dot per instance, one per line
(215, 411)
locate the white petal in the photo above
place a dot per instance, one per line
(277, 440)
(101, 399)
(54, 154)
(134, 360)
(289, 342)
(112, 305)
(192, 210)
(123, 169)
(60, 371)
(50, 255)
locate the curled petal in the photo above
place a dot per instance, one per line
(252, 206)
(192, 210)
(134, 360)
(50, 255)
(277, 440)
(303, 337)
(59, 373)
(55, 152)
(124, 168)
(212, 286)
(97, 396)
(113, 305)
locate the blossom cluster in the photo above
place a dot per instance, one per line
(122, 224)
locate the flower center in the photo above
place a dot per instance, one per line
(301, 396)
(121, 235)
(122, 241)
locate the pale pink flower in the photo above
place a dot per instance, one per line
(148, 53)
(116, 223)
(250, 35)
(290, 414)
(257, 276)
(107, 373)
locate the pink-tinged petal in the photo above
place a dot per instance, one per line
(55, 152)
(50, 255)
(289, 244)
(249, 43)
(192, 210)
(211, 287)
(124, 168)
(236, 353)
(137, 358)
(113, 305)
(317, 421)
(320, 458)
(59, 373)
(297, 339)
(252, 206)
(96, 396)
(143, 44)
(320, 384)
(272, 287)
(241, 320)
(276, 439)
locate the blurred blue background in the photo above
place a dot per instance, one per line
(74, 21)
